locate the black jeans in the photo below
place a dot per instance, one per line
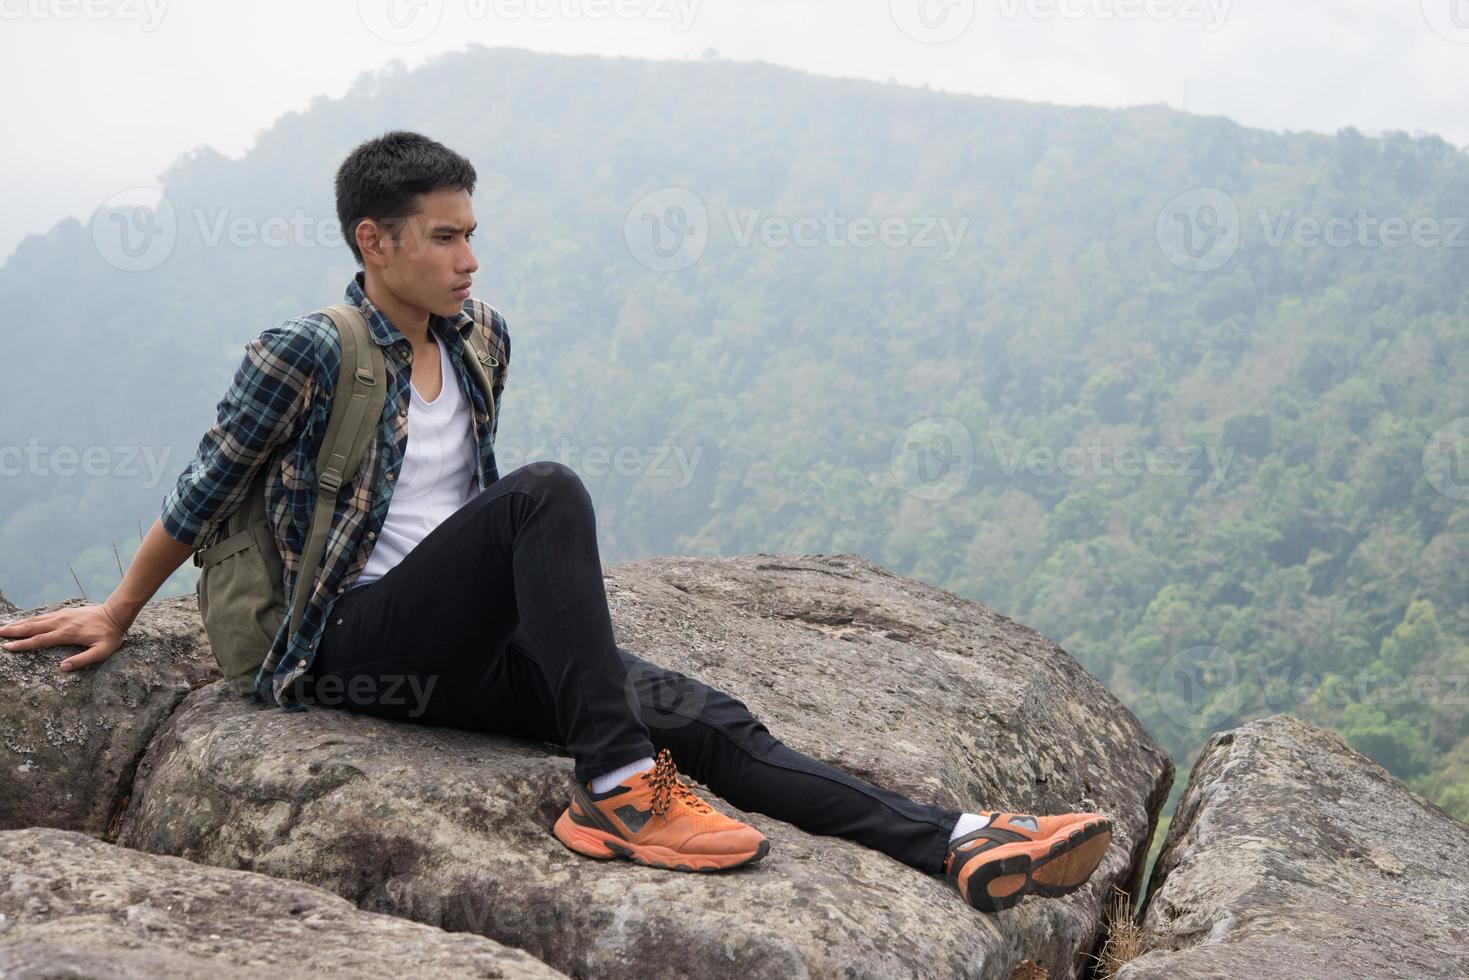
(497, 621)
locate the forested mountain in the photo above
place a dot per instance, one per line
(1186, 397)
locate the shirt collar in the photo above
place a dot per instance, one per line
(382, 329)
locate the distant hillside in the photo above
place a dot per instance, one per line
(1180, 394)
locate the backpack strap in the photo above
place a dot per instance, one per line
(482, 366)
(362, 378)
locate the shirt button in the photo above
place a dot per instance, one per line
(371, 535)
(339, 622)
(402, 413)
(341, 589)
(391, 477)
(301, 663)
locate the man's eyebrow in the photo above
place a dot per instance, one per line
(441, 229)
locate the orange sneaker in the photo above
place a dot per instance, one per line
(1017, 854)
(653, 818)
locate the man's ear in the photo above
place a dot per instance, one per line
(372, 241)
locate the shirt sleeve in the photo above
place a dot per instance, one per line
(264, 407)
(499, 383)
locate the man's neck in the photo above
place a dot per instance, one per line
(411, 323)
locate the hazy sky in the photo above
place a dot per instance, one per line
(99, 96)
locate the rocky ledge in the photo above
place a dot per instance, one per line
(1289, 851)
(1292, 854)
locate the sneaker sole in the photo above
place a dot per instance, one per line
(1050, 868)
(605, 847)
(1071, 861)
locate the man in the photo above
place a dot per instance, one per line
(450, 595)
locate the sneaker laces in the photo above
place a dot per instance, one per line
(667, 787)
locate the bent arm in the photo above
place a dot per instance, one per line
(158, 557)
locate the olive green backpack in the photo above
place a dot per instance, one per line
(241, 597)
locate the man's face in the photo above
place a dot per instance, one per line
(430, 264)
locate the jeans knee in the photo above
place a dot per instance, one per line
(555, 476)
(554, 483)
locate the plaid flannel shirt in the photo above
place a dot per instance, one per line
(275, 414)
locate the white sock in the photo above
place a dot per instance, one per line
(968, 822)
(607, 780)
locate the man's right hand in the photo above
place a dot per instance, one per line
(94, 627)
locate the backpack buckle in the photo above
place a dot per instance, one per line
(364, 375)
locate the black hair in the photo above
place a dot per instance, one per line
(383, 178)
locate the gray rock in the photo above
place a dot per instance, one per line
(69, 741)
(6, 606)
(74, 906)
(904, 684)
(1292, 854)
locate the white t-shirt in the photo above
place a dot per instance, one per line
(437, 477)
